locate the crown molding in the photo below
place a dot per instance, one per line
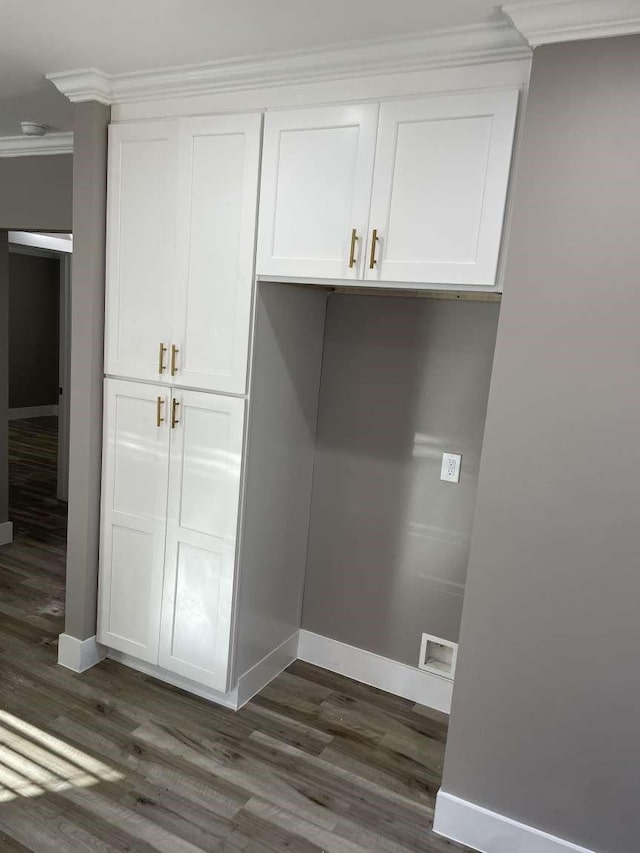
(87, 84)
(443, 48)
(550, 22)
(28, 146)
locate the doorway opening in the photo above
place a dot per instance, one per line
(38, 414)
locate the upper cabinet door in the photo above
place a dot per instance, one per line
(316, 186)
(219, 161)
(141, 268)
(439, 190)
(202, 523)
(133, 520)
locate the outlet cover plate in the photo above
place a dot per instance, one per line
(451, 463)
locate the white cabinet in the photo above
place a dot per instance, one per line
(171, 480)
(135, 471)
(316, 186)
(439, 188)
(141, 248)
(180, 246)
(202, 520)
(428, 212)
(182, 211)
(217, 208)
(427, 176)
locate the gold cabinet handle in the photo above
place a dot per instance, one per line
(174, 413)
(352, 251)
(159, 404)
(174, 353)
(374, 240)
(161, 365)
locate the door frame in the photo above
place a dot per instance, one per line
(64, 378)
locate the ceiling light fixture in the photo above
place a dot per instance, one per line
(33, 128)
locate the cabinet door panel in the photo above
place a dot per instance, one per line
(218, 193)
(127, 621)
(141, 218)
(202, 521)
(201, 626)
(440, 183)
(133, 521)
(316, 186)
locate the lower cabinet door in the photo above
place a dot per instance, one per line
(202, 522)
(133, 521)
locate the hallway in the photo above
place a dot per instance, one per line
(33, 457)
(112, 760)
(33, 567)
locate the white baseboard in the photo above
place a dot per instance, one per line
(6, 533)
(385, 674)
(79, 655)
(32, 412)
(267, 669)
(490, 832)
(229, 700)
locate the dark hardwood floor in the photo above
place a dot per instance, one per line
(112, 760)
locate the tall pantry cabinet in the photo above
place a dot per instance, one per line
(182, 207)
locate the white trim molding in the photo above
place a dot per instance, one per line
(30, 146)
(366, 667)
(562, 20)
(32, 412)
(490, 832)
(6, 533)
(424, 688)
(79, 655)
(85, 84)
(35, 240)
(267, 669)
(460, 46)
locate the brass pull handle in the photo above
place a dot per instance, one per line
(174, 413)
(374, 240)
(161, 365)
(174, 353)
(159, 418)
(352, 252)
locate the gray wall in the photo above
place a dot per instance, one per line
(546, 706)
(87, 341)
(34, 316)
(4, 376)
(403, 379)
(35, 192)
(284, 403)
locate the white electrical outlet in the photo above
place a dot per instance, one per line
(451, 467)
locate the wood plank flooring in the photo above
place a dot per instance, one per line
(112, 760)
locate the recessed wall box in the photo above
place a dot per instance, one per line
(438, 656)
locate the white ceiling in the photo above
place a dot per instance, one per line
(41, 36)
